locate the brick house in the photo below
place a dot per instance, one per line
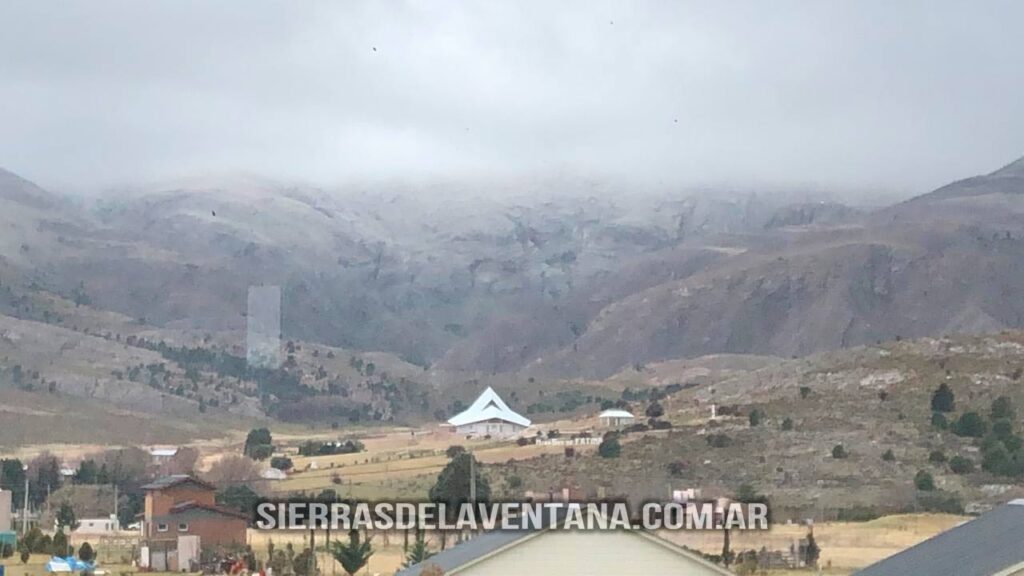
(181, 505)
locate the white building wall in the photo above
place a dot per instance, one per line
(494, 429)
(97, 526)
(5, 510)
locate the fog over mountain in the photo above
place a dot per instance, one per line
(848, 96)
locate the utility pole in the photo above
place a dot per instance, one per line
(24, 509)
(472, 479)
(312, 551)
(118, 518)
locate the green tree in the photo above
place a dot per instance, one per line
(453, 483)
(937, 457)
(943, 399)
(1002, 429)
(86, 553)
(838, 452)
(655, 410)
(888, 456)
(59, 546)
(32, 541)
(812, 552)
(304, 563)
(12, 478)
(939, 421)
(995, 458)
(87, 471)
(610, 447)
(1002, 408)
(66, 517)
(238, 497)
(352, 555)
(970, 424)
(960, 465)
(805, 391)
(787, 424)
(6, 550)
(418, 552)
(259, 444)
(281, 463)
(923, 481)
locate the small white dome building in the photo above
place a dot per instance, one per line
(616, 418)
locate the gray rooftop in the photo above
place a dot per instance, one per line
(982, 547)
(467, 551)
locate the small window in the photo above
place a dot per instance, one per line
(183, 527)
(161, 527)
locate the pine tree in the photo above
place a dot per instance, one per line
(66, 517)
(943, 399)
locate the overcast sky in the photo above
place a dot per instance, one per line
(893, 95)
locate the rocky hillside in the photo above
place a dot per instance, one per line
(873, 401)
(580, 283)
(941, 264)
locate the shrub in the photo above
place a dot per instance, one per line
(676, 468)
(1002, 428)
(838, 452)
(888, 456)
(281, 463)
(960, 465)
(939, 421)
(86, 553)
(937, 457)
(923, 481)
(59, 546)
(718, 440)
(25, 556)
(787, 424)
(638, 427)
(858, 513)
(755, 417)
(970, 424)
(805, 391)
(610, 447)
(939, 501)
(1002, 407)
(943, 399)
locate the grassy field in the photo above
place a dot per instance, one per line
(845, 546)
(396, 463)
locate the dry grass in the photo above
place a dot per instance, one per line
(397, 463)
(844, 545)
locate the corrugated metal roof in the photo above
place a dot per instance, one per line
(982, 547)
(488, 406)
